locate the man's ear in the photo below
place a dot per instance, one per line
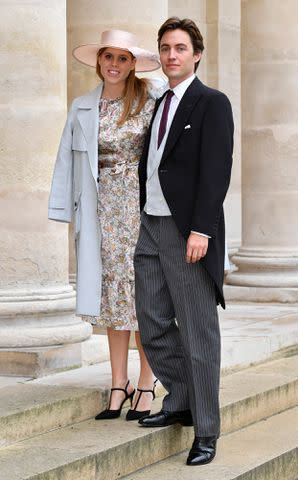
(197, 56)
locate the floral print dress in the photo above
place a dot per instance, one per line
(120, 149)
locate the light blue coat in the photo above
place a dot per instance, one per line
(73, 195)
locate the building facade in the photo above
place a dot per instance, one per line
(251, 54)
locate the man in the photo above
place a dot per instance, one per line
(179, 260)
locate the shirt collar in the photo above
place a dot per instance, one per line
(181, 88)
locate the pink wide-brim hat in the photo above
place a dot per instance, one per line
(146, 61)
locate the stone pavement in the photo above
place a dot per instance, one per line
(251, 333)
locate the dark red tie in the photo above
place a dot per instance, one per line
(164, 117)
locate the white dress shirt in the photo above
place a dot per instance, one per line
(156, 203)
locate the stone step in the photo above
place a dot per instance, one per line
(267, 450)
(27, 410)
(107, 450)
(34, 407)
(40, 361)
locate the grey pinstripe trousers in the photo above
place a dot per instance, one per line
(178, 322)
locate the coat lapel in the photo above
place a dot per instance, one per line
(89, 120)
(157, 103)
(143, 160)
(185, 107)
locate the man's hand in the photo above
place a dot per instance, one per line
(196, 247)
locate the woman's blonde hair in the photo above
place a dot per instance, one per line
(135, 89)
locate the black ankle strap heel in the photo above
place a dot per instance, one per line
(109, 414)
(134, 414)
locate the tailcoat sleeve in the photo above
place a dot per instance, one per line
(215, 163)
(61, 194)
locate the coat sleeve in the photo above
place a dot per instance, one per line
(215, 163)
(61, 194)
(156, 87)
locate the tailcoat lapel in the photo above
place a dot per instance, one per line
(88, 117)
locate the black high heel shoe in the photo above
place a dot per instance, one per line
(109, 414)
(134, 414)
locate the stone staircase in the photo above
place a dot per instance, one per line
(47, 431)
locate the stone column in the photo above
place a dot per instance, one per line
(197, 11)
(219, 23)
(268, 259)
(85, 22)
(36, 301)
(223, 73)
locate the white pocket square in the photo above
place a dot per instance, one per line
(187, 126)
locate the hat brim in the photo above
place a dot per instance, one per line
(146, 61)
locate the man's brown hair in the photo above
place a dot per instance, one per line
(187, 26)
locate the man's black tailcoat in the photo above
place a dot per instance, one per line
(195, 170)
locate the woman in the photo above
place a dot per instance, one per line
(96, 178)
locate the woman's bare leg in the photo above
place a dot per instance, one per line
(118, 346)
(146, 378)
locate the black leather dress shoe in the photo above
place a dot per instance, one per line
(203, 451)
(164, 418)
